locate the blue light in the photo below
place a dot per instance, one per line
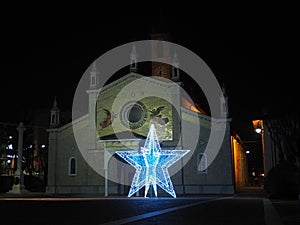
(151, 164)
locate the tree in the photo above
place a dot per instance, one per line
(3, 142)
(285, 134)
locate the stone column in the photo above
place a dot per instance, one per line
(18, 186)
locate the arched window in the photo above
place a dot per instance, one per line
(72, 166)
(53, 118)
(201, 163)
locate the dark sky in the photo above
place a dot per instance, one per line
(253, 48)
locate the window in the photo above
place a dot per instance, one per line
(53, 119)
(201, 163)
(175, 72)
(72, 166)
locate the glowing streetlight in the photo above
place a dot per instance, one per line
(258, 126)
(258, 130)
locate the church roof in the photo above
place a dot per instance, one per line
(134, 76)
(190, 106)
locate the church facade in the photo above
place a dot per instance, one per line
(122, 113)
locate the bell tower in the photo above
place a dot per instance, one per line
(161, 50)
(54, 115)
(224, 103)
(133, 60)
(175, 68)
(94, 77)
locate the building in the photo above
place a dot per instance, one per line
(122, 112)
(278, 137)
(240, 163)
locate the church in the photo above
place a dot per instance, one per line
(122, 112)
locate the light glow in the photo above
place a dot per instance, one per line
(258, 130)
(151, 164)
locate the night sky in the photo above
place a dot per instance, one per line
(253, 48)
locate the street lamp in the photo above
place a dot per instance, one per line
(258, 126)
(258, 130)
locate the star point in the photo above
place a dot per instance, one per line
(151, 164)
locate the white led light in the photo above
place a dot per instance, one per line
(151, 164)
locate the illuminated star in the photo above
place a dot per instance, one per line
(151, 164)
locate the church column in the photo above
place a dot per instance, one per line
(52, 149)
(107, 157)
(52, 161)
(93, 95)
(106, 182)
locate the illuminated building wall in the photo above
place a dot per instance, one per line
(239, 163)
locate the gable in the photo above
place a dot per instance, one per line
(131, 103)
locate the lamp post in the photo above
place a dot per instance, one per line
(259, 128)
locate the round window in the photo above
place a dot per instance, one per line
(133, 115)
